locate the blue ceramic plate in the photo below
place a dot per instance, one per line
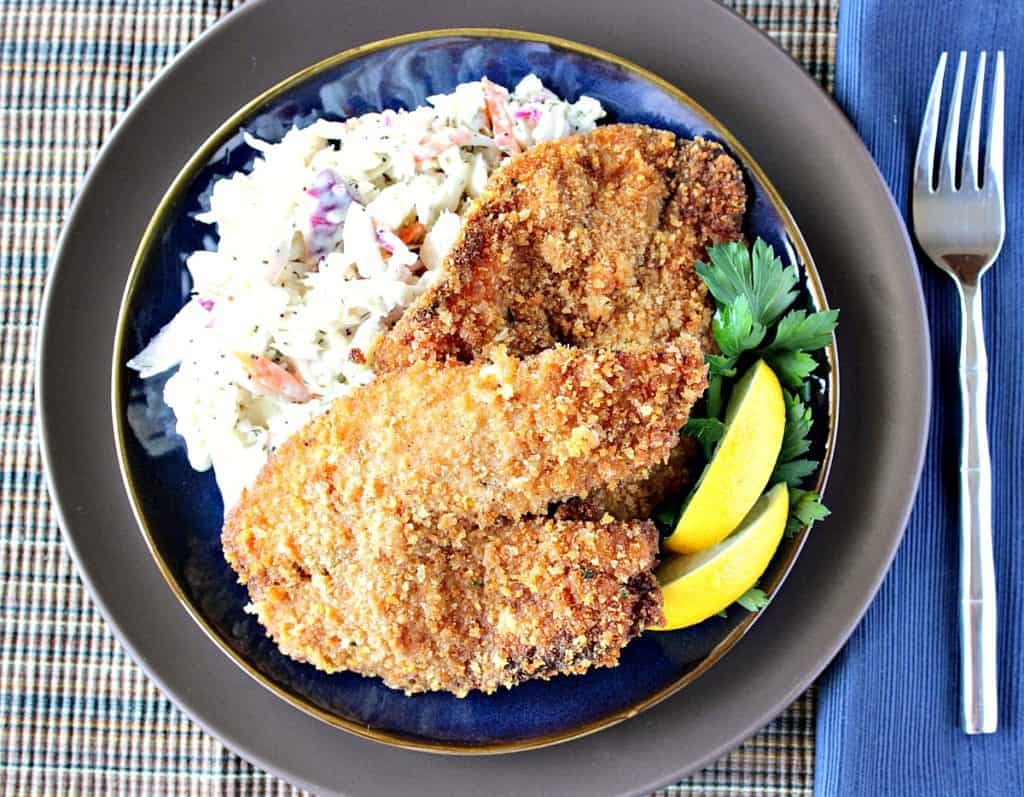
(180, 511)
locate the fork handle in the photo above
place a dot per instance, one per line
(977, 572)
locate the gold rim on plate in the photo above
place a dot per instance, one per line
(118, 396)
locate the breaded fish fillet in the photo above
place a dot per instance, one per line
(388, 537)
(522, 599)
(588, 240)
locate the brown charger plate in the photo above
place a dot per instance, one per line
(808, 150)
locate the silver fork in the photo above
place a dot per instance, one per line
(961, 228)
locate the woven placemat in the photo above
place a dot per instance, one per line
(77, 716)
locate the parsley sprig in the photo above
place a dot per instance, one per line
(752, 290)
(754, 293)
(751, 600)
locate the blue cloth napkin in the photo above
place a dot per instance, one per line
(889, 706)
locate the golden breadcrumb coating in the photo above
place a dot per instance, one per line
(388, 537)
(639, 498)
(522, 599)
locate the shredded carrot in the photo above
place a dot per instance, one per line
(501, 120)
(411, 233)
(275, 379)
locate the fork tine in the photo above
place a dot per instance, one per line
(925, 161)
(947, 165)
(970, 172)
(994, 144)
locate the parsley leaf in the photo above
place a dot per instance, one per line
(753, 599)
(798, 331)
(788, 468)
(798, 426)
(805, 507)
(707, 431)
(735, 328)
(793, 473)
(729, 272)
(719, 365)
(792, 367)
(774, 285)
(722, 613)
(757, 276)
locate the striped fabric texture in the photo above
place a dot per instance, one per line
(76, 715)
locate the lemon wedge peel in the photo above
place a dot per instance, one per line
(699, 585)
(741, 465)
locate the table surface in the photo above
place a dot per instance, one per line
(78, 716)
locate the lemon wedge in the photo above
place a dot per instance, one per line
(699, 585)
(741, 465)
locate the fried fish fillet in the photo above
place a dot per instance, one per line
(394, 535)
(588, 240)
(530, 598)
